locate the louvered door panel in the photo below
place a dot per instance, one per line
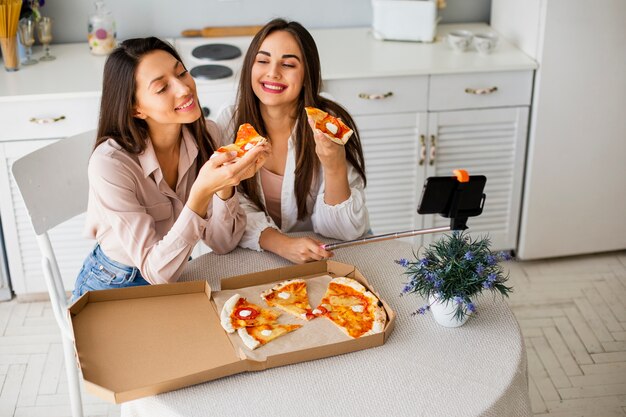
(23, 252)
(394, 178)
(488, 142)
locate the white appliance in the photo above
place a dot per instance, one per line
(5, 287)
(575, 183)
(404, 20)
(222, 55)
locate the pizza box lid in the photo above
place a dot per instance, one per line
(140, 341)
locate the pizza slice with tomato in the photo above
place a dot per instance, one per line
(239, 312)
(256, 336)
(334, 128)
(352, 308)
(247, 138)
(290, 296)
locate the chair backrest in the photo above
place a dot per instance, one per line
(53, 180)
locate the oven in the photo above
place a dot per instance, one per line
(215, 64)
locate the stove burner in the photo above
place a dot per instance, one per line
(211, 72)
(216, 52)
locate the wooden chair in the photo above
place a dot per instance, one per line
(54, 185)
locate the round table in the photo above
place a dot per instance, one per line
(423, 369)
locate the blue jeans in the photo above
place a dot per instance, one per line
(101, 273)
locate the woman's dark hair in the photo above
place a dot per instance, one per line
(248, 111)
(118, 100)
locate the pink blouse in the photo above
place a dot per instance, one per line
(272, 185)
(139, 221)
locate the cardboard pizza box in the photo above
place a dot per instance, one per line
(140, 341)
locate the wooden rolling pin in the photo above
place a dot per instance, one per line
(221, 31)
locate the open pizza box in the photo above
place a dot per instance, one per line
(140, 341)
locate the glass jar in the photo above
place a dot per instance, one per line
(101, 33)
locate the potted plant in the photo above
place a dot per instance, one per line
(451, 272)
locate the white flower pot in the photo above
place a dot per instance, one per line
(443, 312)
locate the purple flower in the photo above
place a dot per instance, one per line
(431, 277)
(471, 307)
(407, 288)
(403, 262)
(505, 256)
(491, 260)
(488, 284)
(421, 310)
(458, 300)
(423, 262)
(438, 283)
(480, 269)
(469, 255)
(492, 277)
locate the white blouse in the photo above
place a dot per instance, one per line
(344, 221)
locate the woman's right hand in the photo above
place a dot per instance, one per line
(222, 171)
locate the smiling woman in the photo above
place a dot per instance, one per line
(309, 182)
(154, 190)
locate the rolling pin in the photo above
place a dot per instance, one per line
(221, 31)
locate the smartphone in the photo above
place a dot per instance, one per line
(439, 194)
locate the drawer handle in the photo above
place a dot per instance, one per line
(481, 91)
(46, 120)
(366, 96)
(433, 149)
(422, 149)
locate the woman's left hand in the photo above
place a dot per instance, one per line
(331, 154)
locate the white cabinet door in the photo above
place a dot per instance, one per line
(488, 142)
(22, 251)
(391, 148)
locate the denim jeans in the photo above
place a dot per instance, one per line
(101, 273)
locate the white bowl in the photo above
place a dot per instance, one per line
(485, 43)
(460, 40)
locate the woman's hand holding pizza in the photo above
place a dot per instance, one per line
(331, 155)
(222, 172)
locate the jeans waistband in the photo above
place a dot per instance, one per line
(100, 257)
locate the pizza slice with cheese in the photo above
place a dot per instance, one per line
(247, 138)
(239, 312)
(352, 308)
(256, 336)
(334, 128)
(290, 296)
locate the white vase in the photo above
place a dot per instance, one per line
(443, 312)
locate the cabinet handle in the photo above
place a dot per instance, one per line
(366, 96)
(481, 91)
(422, 149)
(45, 120)
(433, 149)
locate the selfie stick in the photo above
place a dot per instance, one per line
(453, 207)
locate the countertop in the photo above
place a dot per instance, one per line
(345, 53)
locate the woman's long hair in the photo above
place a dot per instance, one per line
(248, 111)
(118, 101)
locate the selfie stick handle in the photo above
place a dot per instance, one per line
(387, 236)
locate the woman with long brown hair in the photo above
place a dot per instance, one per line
(308, 182)
(154, 190)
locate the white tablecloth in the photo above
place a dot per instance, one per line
(424, 369)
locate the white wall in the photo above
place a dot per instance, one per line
(167, 18)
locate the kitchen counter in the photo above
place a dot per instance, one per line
(77, 73)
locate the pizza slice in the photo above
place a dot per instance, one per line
(256, 336)
(290, 296)
(247, 138)
(239, 312)
(334, 128)
(352, 308)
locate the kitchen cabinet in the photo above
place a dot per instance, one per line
(574, 195)
(415, 127)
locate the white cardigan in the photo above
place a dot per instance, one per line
(345, 221)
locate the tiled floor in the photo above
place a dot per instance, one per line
(572, 312)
